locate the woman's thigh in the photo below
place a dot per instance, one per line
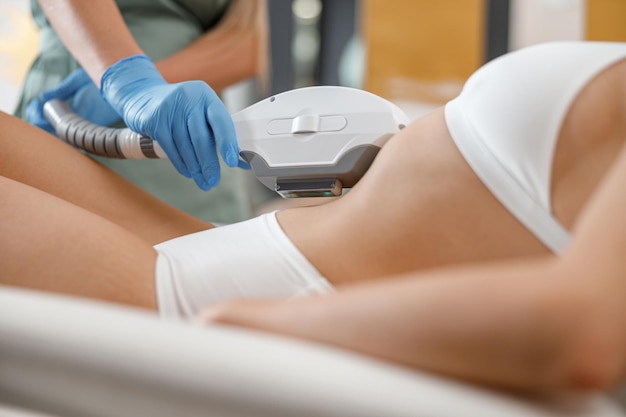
(32, 157)
(49, 244)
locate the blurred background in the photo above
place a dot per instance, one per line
(18, 45)
(414, 52)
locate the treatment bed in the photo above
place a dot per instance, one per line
(68, 357)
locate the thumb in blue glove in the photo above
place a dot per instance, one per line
(187, 119)
(86, 102)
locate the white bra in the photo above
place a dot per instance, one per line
(507, 119)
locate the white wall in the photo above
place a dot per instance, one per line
(534, 21)
(18, 45)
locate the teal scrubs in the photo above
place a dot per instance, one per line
(161, 27)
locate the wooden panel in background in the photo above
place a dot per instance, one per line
(606, 20)
(422, 49)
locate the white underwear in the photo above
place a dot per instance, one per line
(506, 123)
(250, 259)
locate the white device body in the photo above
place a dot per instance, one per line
(315, 141)
(315, 125)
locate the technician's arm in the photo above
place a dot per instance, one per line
(93, 31)
(96, 34)
(542, 325)
(187, 119)
(234, 50)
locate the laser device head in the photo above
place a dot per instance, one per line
(315, 141)
(312, 141)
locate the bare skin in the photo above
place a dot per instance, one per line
(71, 226)
(419, 206)
(95, 33)
(235, 50)
(540, 324)
(41, 259)
(436, 211)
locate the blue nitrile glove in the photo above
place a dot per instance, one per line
(86, 102)
(187, 119)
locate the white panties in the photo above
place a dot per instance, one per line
(250, 259)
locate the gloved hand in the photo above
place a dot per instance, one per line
(86, 102)
(187, 119)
